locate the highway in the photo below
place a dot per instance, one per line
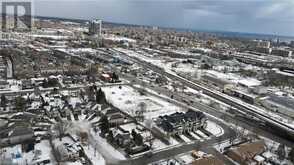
(284, 130)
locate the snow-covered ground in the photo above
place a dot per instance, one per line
(201, 134)
(183, 137)
(158, 145)
(187, 158)
(195, 136)
(173, 141)
(94, 155)
(41, 152)
(109, 153)
(129, 100)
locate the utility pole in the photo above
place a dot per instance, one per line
(95, 149)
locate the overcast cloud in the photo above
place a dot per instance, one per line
(258, 16)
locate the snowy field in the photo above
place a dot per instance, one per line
(129, 99)
(187, 159)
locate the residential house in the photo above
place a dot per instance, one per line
(245, 153)
(17, 135)
(122, 139)
(179, 122)
(116, 119)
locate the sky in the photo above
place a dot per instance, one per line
(253, 16)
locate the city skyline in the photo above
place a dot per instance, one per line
(262, 17)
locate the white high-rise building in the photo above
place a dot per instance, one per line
(264, 44)
(95, 27)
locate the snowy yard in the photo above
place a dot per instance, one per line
(187, 159)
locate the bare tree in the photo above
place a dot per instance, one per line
(281, 152)
(150, 140)
(141, 110)
(62, 128)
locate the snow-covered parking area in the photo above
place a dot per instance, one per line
(215, 129)
(130, 100)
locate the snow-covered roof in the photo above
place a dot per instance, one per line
(259, 158)
(267, 155)
(249, 82)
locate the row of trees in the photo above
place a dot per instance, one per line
(291, 155)
(95, 94)
(281, 152)
(51, 82)
(20, 102)
(279, 80)
(138, 138)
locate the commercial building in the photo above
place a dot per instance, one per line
(264, 50)
(281, 52)
(264, 44)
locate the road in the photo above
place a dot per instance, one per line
(165, 154)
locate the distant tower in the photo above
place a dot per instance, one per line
(95, 27)
(278, 41)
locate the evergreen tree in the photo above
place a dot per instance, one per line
(3, 101)
(115, 77)
(281, 152)
(110, 137)
(20, 103)
(139, 140)
(104, 125)
(90, 93)
(44, 83)
(134, 133)
(291, 155)
(100, 97)
(82, 95)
